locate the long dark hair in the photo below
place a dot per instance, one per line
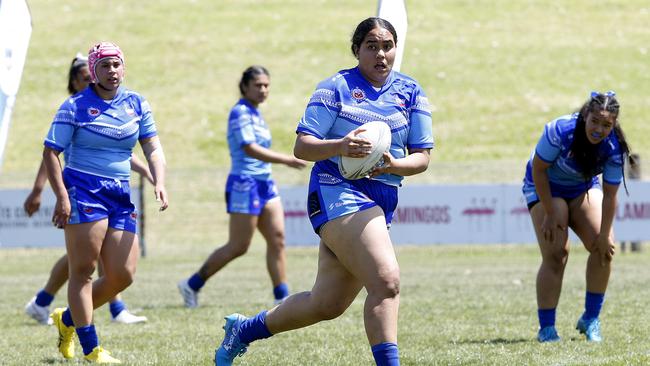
(585, 153)
(76, 65)
(365, 27)
(249, 74)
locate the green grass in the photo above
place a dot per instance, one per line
(460, 305)
(495, 72)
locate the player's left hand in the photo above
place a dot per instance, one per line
(61, 214)
(388, 162)
(161, 196)
(606, 248)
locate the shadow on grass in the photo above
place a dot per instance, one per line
(493, 341)
(55, 361)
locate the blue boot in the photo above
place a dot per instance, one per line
(548, 334)
(231, 346)
(590, 328)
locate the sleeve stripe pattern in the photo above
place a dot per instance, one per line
(324, 98)
(421, 106)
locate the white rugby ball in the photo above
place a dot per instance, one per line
(378, 133)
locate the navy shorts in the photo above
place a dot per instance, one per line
(332, 196)
(94, 198)
(566, 193)
(247, 195)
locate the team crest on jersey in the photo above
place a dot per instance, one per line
(358, 94)
(93, 112)
(130, 111)
(400, 102)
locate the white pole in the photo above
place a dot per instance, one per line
(395, 12)
(15, 30)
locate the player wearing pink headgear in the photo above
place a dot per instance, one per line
(101, 51)
(99, 126)
(38, 307)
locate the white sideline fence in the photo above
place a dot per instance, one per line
(474, 214)
(19, 230)
(426, 214)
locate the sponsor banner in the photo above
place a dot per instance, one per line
(18, 230)
(461, 214)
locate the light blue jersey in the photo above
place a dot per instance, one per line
(98, 136)
(347, 100)
(246, 126)
(564, 175)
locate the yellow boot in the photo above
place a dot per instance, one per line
(100, 355)
(66, 333)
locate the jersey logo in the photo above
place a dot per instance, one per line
(400, 102)
(358, 94)
(93, 112)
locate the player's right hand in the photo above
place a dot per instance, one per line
(354, 146)
(32, 203)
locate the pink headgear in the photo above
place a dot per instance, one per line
(101, 51)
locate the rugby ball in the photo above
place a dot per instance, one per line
(380, 136)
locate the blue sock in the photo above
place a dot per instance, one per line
(593, 304)
(254, 328)
(43, 298)
(66, 318)
(196, 282)
(281, 291)
(385, 354)
(116, 307)
(88, 338)
(546, 318)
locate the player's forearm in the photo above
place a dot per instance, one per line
(155, 155)
(53, 169)
(609, 210)
(543, 189)
(415, 163)
(312, 148)
(261, 153)
(41, 178)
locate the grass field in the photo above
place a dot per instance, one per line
(460, 305)
(495, 72)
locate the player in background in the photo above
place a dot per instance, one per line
(251, 194)
(351, 216)
(100, 126)
(39, 306)
(562, 190)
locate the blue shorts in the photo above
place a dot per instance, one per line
(568, 193)
(332, 196)
(247, 195)
(94, 198)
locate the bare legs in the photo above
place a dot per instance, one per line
(59, 276)
(355, 252)
(583, 215)
(241, 230)
(85, 244)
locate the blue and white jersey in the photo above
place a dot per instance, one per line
(97, 135)
(246, 126)
(347, 100)
(554, 147)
